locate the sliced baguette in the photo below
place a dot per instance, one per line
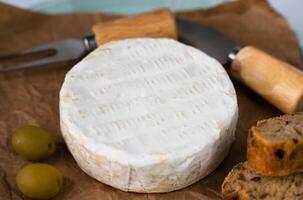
(243, 183)
(275, 145)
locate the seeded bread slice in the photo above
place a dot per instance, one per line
(275, 145)
(243, 183)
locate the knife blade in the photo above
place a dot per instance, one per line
(206, 39)
(278, 82)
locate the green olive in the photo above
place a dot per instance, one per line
(33, 143)
(39, 181)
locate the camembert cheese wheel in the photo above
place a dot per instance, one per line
(148, 115)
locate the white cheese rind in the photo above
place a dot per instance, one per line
(148, 115)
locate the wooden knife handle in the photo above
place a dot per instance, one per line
(158, 23)
(278, 82)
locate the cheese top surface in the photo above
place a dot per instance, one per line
(143, 101)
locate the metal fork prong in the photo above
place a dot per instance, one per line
(11, 56)
(36, 63)
(27, 52)
(66, 50)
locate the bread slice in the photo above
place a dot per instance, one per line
(275, 145)
(243, 183)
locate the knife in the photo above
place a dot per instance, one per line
(276, 81)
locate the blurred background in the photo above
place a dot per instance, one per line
(290, 9)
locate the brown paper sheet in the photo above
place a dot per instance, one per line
(31, 96)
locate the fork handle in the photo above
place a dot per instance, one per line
(158, 23)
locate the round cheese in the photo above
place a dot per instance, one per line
(148, 115)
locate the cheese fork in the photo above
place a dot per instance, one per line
(63, 50)
(158, 23)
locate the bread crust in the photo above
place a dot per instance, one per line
(275, 158)
(243, 183)
(233, 193)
